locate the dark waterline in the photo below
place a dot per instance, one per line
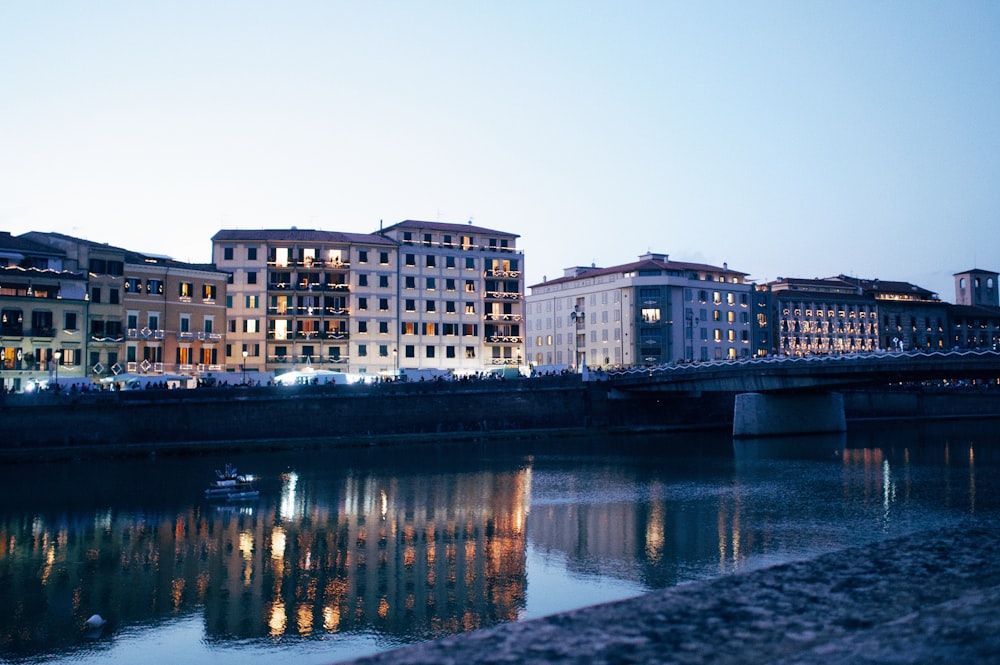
(350, 552)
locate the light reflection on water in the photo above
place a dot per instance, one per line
(349, 553)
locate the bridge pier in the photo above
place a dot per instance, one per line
(760, 414)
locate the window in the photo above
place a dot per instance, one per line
(251, 253)
(410, 305)
(250, 326)
(431, 306)
(383, 258)
(383, 327)
(431, 284)
(470, 308)
(362, 350)
(383, 281)
(362, 326)
(185, 323)
(185, 290)
(227, 253)
(252, 302)
(449, 262)
(95, 294)
(362, 256)
(470, 286)
(69, 321)
(410, 351)
(427, 240)
(133, 285)
(470, 352)
(429, 351)
(154, 286)
(363, 279)
(251, 276)
(449, 285)
(411, 282)
(383, 350)
(208, 292)
(470, 263)
(410, 260)
(430, 261)
(362, 303)
(383, 304)
(449, 306)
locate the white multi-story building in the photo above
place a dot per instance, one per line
(649, 312)
(414, 295)
(461, 297)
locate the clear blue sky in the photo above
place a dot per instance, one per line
(786, 138)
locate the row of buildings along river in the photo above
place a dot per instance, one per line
(427, 299)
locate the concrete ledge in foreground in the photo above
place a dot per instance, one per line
(930, 597)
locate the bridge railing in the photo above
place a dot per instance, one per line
(701, 366)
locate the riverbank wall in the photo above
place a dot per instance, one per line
(356, 415)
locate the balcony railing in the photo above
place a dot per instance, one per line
(504, 339)
(503, 317)
(502, 273)
(504, 295)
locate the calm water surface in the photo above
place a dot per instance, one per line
(349, 553)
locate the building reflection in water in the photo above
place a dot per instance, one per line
(411, 553)
(413, 557)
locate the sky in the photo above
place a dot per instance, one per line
(787, 139)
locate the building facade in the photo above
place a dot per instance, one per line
(975, 318)
(461, 297)
(649, 312)
(412, 296)
(43, 315)
(843, 314)
(147, 314)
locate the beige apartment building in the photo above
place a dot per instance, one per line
(412, 296)
(648, 312)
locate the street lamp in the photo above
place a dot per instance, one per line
(58, 357)
(245, 366)
(395, 363)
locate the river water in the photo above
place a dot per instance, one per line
(347, 553)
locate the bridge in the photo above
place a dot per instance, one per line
(779, 396)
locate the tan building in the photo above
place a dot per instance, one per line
(413, 296)
(648, 312)
(175, 315)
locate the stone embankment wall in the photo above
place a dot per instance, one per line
(364, 415)
(351, 415)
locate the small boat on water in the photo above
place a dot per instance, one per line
(231, 485)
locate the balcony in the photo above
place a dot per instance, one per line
(12, 331)
(106, 339)
(504, 339)
(42, 332)
(502, 273)
(503, 317)
(503, 295)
